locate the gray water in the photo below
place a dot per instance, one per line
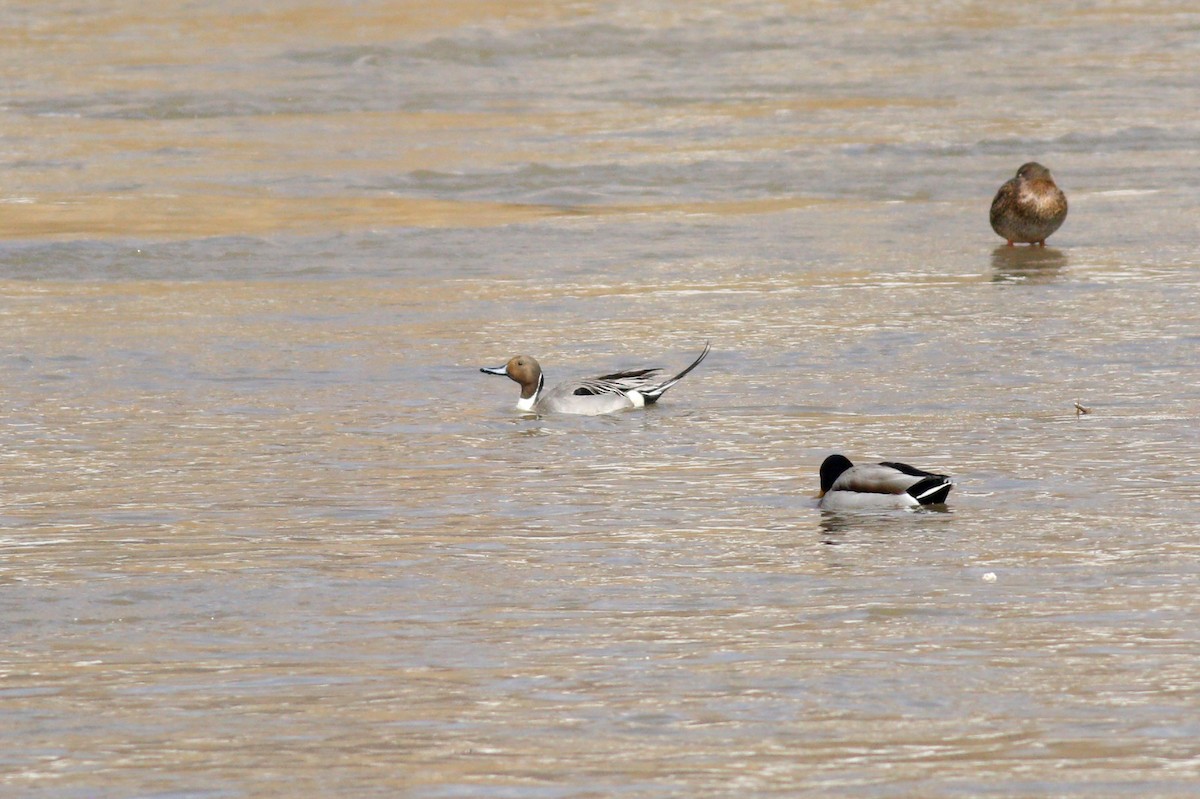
(267, 531)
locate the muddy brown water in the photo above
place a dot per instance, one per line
(267, 531)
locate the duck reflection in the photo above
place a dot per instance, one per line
(851, 527)
(1027, 264)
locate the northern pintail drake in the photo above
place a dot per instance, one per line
(1029, 207)
(591, 396)
(845, 486)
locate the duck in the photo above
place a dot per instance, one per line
(591, 396)
(1029, 207)
(845, 486)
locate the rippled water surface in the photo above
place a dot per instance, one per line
(267, 531)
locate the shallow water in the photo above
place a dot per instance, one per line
(267, 531)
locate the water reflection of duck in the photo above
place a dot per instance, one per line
(1027, 264)
(845, 486)
(1029, 207)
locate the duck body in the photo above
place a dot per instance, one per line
(1029, 207)
(591, 396)
(871, 486)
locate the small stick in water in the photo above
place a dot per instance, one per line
(1079, 409)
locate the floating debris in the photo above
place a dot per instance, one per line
(1080, 410)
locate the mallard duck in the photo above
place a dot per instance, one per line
(845, 486)
(590, 396)
(1029, 207)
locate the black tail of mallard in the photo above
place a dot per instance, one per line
(932, 490)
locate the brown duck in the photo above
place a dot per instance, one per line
(1029, 207)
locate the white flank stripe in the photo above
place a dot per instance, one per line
(933, 490)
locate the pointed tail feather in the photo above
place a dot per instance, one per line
(652, 394)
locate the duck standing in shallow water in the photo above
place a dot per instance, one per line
(872, 486)
(1029, 207)
(591, 396)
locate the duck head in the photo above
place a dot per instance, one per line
(1034, 171)
(524, 370)
(831, 469)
